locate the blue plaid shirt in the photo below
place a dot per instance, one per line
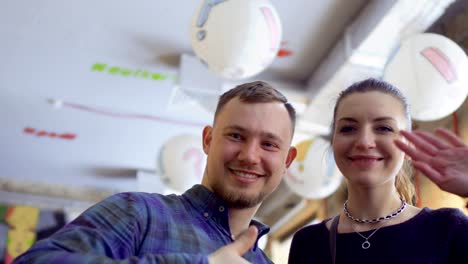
(144, 228)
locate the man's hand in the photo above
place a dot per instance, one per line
(233, 252)
(445, 162)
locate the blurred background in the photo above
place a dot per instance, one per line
(100, 97)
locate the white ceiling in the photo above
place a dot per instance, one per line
(119, 117)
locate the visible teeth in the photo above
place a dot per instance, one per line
(246, 175)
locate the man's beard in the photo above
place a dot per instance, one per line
(235, 199)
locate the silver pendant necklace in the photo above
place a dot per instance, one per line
(366, 244)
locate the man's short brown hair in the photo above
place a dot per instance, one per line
(256, 92)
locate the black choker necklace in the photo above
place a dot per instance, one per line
(375, 220)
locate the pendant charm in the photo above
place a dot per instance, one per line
(366, 245)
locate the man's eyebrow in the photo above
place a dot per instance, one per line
(235, 127)
(268, 135)
(273, 137)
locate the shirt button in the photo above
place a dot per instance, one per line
(206, 215)
(221, 208)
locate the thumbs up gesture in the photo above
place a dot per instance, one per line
(233, 252)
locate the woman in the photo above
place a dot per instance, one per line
(378, 224)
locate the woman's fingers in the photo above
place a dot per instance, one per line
(450, 137)
(412, 152)
(420, 142)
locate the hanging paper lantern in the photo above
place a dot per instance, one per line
(236, 39)
(431, 70)
(182, 161)
(313, 174)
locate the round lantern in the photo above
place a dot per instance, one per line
(313, 174)
(236, 39)
(431, 70)
(182, 162)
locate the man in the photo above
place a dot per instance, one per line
(248, 149)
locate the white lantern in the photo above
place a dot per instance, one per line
(182, 162)
(313, 174)
(236, 38)
(432, 71)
